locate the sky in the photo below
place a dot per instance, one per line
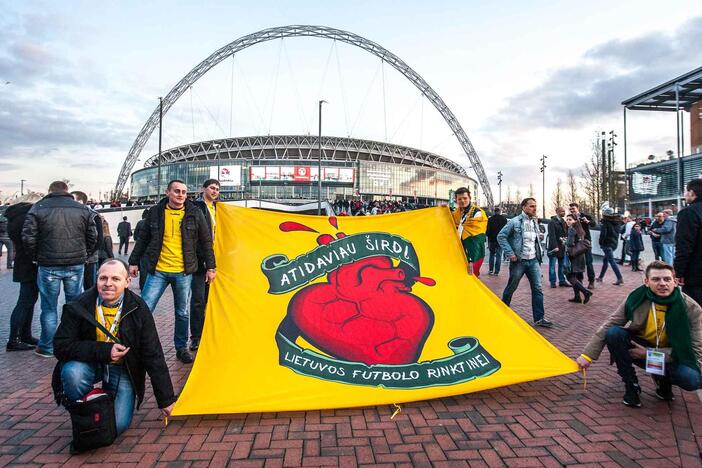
(78, 80)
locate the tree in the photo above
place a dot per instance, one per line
(557, 196)
(572, 185)
(592, 178)
(531, 190)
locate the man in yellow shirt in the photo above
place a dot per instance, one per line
(177, 234)
(200, 287)
(658, 328)
(471, 222)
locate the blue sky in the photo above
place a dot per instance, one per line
(523, 78)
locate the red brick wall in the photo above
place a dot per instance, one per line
(696, 127)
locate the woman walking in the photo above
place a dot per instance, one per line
(636, 246)
(576, 260)
(609, 238)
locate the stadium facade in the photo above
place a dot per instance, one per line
(285, 167)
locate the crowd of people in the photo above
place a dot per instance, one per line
(107, 334)
(357, 207)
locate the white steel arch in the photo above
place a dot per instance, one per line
(304, 31)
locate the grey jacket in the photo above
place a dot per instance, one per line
(511, 237)
(667, 231)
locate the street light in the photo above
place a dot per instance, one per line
(22, 181)
(216, 147)
(499, 186)
(319, 162)
(160, 134)
(543, 186)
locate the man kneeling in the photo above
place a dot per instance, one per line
(657, 328)
(87, 356)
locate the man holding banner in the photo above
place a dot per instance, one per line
(471, 222)
(200, 287)
(177, 230)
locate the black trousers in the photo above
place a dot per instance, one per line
(123, 241)
(199, 292)
(89, 274)
(22, 314)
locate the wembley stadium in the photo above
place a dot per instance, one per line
(285, 167)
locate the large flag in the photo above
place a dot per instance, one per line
(311, 312)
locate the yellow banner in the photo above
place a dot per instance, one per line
(312, 312)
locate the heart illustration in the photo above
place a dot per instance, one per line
(365, 312)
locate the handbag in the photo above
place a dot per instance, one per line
(581, 246)
(93, 416)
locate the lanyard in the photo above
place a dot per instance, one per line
(115, 321)
(466, 213)
(655, 319)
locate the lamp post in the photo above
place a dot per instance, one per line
(216, 147)
(160, 134)
(319, 162)
(543, 186)
(499, 186)
(22, 181)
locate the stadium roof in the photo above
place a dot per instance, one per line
(662, 97)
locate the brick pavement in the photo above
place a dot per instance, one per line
(552, 422)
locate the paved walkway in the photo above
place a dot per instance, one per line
(551, 422)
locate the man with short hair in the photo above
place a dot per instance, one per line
(658, 328)
(207, 202)
(495, 223)
(90, 271)
(177, 230)
(688, 242)
(667, 236)
(628, 226)
(59, 234)
(87, 355)
(520, 239)
(586, 222)
(656, 245)
(471, 222)
(124, 232)
(555, 248)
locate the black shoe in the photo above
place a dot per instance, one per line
(575, 300)
(564, 285)
(631, 396)
(44, 354)
(194, 344)
(590, 285)
(17, 345)
(664, 389)
(599, 280)
(543, 323)
(184, 356)
(553, 285)
(587, 298)
(619, 282)
(30, 340)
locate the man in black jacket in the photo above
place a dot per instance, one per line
(59, 234)
(139, 232)
(177, 231)
(555, 248)
(586, 222)
(688, 242)
(124, 232)
(90, 271)
(24, 273)
(610, 230)
(200, 287)
(87, 356)
(495, 223)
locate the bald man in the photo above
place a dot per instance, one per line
(119, 360)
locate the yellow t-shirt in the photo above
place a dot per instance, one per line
(654, 325)
(109, 313)
(213, 217)
(171, 258)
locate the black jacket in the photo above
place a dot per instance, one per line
(495, 223)
(609, 231)
(206, 212)
(124, 229)
(635, 241)
(688, 244)
(3, 223)
(141, 226)
(105, 251)
(557, 231)
(24, 269)
(195, 235)
(59, 231)
(586, 226)
(76, 340)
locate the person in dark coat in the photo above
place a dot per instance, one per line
(86, 355)
(577, 263)
(495, 223)
(655, 237)
(636, 246)
(688, 243)
(124, 232)
(586, 222)
(105, 251)
(24, 273)
(609, 239)
(139, 233)
(555, 248)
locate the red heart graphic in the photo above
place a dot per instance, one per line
(365, 312)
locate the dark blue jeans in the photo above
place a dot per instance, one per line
(532, 270)
(619, 341)
(22, 314)
(609, 260)
(495, 260)
(154, 288)
(553, 260)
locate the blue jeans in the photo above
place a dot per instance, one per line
(618, 342)
(609, 260)
(78, 378)
(180, 283)
(495, 260)
(552, 261)
(49, 280)
(532, 270)
(668, 253)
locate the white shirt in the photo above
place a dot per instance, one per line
(627, 229)
(530, 234)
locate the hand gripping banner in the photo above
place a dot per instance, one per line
(312, 312)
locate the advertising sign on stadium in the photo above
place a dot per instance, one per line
(229, 176)
(301, 174)
(645, 184)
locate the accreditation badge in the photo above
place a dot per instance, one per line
(655, 362)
